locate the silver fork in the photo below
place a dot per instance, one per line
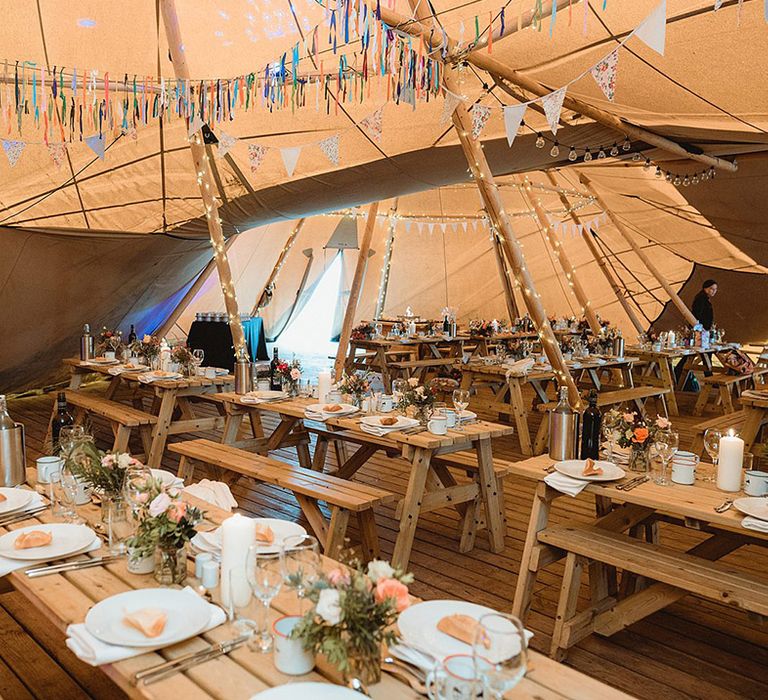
(725, 505)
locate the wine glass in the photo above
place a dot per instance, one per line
(666, 447)
(265, 576)
(399, 387)
(460, 403)
(63, 495)
(712, 446)
(300, 563)
(199, 356)
(609, 435)
(134, 485)
(499, 651)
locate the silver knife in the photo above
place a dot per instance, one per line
(18, 517)
(637, 483)
(71, 566)
(626, 484)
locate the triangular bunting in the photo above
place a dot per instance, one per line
(604, 74)
(408, 223)
(419, 226)
(553, 104)
(226, 142)
(454, 227)
(480, 115)
(513, 117)
(449, 107)
(373, 124)
(653, 30)
(290, 158)
(464, 226)
(96, 143)
(195, 125)
(13, 150)
(256, 156)
(330, 147)
(443, 227)
(57, 151)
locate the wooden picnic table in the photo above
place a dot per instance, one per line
(169, 395)
(755, 406)
(431, 485)
(507, 389)
(65, 599)
(638, 511)
(659, 370)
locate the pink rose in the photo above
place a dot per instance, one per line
(177, 510)
(295, 374)
(629, 417)
(108, 461)
(159, 504)
(392, 588)
(338, 577)
(142, 497)
(662, 422)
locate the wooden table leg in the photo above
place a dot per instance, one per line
(521, 416)
(490, 492)
(753, 419)
(160, 433)
(411, 506)
(232, 424)
(668, 379)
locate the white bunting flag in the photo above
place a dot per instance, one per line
(480, 116)
(604, 74)
(419, 226)
(226, 142)
(408, 223)
(330, 147)
(57, 151)
(256, 156)
(513, 117)
(474, 225)
(96, 143)
(431, 227)
(464, 226)
(443, 227)
(653, 30)
(373, 124)
(454, 227)
(13, 150)
(195, 125)
(450, 104)
(553, 104)
(290, 158)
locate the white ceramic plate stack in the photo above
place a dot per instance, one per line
(282, 529)
(402, 423)
(318, 409)
(754, 506)
(575, 469)
(68, 540)
(15, 500)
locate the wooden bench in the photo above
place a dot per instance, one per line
(726, 385)
(419, 368)
(122, 418)
(729, 420)
(708, 579)
(309, 486)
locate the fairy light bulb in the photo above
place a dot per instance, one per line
(712, 172)
(587, 156)
(540, 143)
(686, 181)
(647, 164)
(695, 179)
(626, 145)
(601, 154)
(636, 157)
(555, 150)
(572, 155)
(614, 151)
(658, 171)
(677, 180)
(668, 177)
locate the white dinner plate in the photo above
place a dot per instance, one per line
(166, 478)
(265, 395)
(309, 691)
(467, 415)
(211, 541)
(575, 469)
(345, 410)
(130, 367)
(15, 499)
(102, 361)
(402, 422)
(158, 376)
(187, 615)
(67, 539)
(756, 506)
(418, 625)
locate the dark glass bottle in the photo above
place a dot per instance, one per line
(62, 419)
(590, 429)
(275, 381)
(446, 324)
(132, 335)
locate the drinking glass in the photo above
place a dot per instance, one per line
(265, 576)
(608, 436)
(399, 387)
(199, 356)
(69, 437)
(300, 563)
(239, 603)
(460, 403)
(499, 650)
(712, 446)
(666, 446)
(63, 495)
(134, 486)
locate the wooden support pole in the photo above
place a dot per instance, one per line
(487, 62)
(381, 299)
(506, 282)
(587, 237)
(481, 171)
(186, 300)
(278, 266)
(354, 292)
(559, 250)
(673, 295)
(205, 181)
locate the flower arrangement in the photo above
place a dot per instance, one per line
(354, 613)
(483, 329)
(355, 384)
(418, 398)
(290, 374)
(102, 471)
(363, 331)
(632, 430)
(108, 340)
(148, 347)
(182, 355)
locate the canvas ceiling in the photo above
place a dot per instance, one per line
(707, 90)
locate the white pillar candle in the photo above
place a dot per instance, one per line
(237, 534)
(323, 386)
(730, 458)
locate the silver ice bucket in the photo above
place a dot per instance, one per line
(13, 459)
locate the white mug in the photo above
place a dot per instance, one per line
(210, 373)
(48, 467)
(456, 678)
(83, 494)
(386, 403)
(756, 483)
(262, 384)
(290, 656)
(450, 417)
(109, 355)
(684, 473)
(438, 425)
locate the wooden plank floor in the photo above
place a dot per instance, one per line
(693, 649)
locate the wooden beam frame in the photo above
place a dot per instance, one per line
(381, 298)
(504, 275)
(278, 265)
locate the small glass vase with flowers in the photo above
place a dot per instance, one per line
(631, 430)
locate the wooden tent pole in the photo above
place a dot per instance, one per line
(205, 181)
(488, 63)
(186, 300)
(559, 250)
(673, 295)
(495, 208)
(354, 291)
(381, 299)
(506, 283)
(278, 265)
(587, 237)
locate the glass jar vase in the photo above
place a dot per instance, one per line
(365, 665)
(170, 565)
(116, 522)
(640, 460)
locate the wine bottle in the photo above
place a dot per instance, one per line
(275, 381)
(132, 336)
(446, 324)
(60, 420)
(590, 429)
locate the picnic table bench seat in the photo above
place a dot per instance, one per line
(309, 487)
(726, 385)
(733, 420)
